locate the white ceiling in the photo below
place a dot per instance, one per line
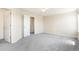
(50, 11)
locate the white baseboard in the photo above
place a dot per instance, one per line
(70, 36)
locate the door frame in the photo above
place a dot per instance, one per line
(23, 25)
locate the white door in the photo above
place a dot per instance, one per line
(26, 25)
(7, 26)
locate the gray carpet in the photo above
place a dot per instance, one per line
(41, 42)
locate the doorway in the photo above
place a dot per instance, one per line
(32, 25)
(29, 27)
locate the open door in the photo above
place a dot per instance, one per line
(26, 25)
(7, 27)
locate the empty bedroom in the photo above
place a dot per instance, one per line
(39, 29)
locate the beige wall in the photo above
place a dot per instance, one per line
(61, 24)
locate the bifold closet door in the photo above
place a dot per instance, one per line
(7, 28)
(26, 25)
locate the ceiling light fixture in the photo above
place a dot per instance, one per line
(44, 9)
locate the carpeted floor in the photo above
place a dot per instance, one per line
(41, 42)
